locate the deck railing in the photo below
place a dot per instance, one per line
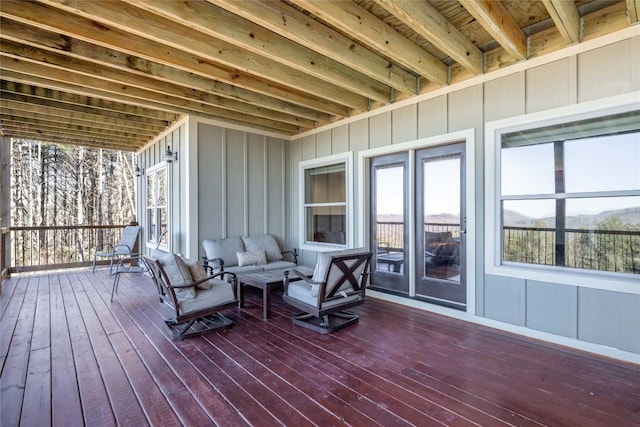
(48, 248)
(603, 250)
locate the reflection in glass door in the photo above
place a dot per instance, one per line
(389, 224)
(440, 228)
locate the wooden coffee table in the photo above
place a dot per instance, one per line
(267, 280)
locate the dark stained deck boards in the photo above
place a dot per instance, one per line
(70, 357)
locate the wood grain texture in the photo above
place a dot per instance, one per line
(112, 363)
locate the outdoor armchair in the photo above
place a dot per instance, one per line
(338, 283)
(194, 300)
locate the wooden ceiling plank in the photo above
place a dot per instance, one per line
(566, 18)
(425, 20)
(56, 20)
(353, 19)
(153, 27)
(285, 20)
(248, 36)
(495, 19)
(30, 111)
(44, 39)
(29, 53)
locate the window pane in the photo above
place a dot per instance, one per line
(151, 190)
(325, 184)
(163, 224)
(529, 231)
(326, 224)
(527, 169)
(152, 221)
(162, 187)
(603, 234)
(606, 163)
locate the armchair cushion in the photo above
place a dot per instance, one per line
(324, 261)
(178, 273)
(251, 258)
(225, 249)
(266, 243)
(220, 293)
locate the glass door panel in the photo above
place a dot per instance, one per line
(440, 225)
(388, 223)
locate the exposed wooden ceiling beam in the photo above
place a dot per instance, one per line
(285, 20)
(353, 19)
(136, 21)
(633, 10)
(59, 21)
(31, 110)
(11, 48)
(19, 32)
(72, 140)
(425, 20)
(77, 133)
(495, 19)
(248, 36)
(565, 17)
(111, 81)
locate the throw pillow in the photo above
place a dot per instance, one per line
(251, 258)
(177, 272)
(197, 273)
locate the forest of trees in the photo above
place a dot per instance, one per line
(67, 190)
(65, 185)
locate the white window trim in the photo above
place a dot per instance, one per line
(552, 274)
(149, 171)
(347, 159)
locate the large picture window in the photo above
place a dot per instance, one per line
(568, 194)
(157, 206)
(326, 201)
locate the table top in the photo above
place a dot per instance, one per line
(271, 277)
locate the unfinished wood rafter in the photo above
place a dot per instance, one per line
(565, 17)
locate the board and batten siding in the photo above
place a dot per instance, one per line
(590, 315)
(241, 186)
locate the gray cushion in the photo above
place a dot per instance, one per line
(302, 291)
(177, 272)
(221, 292)
(225, 249)
(275, 265)
(266, 243)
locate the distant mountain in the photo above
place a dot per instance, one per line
(627, 217)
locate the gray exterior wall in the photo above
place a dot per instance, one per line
(592, 315)
(241, 189)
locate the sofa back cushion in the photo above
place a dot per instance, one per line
(266, 243)
(225, 249)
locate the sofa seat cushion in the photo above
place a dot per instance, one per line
(225, 249)
(221, 292)
(304, 292)
(275, 265)
(266, 243)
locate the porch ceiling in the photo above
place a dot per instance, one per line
(114, 74)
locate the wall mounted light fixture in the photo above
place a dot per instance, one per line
(138, 171)
(170, 156)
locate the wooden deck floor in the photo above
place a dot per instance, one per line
(70, 357)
